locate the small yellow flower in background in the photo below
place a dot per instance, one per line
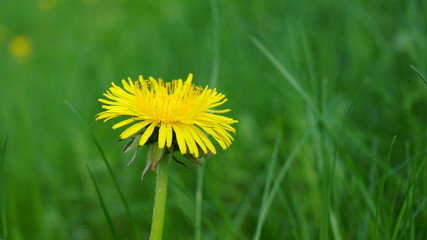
(177, 116)
(47, 5)
(20, 48)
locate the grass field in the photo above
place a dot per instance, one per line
(330, 144)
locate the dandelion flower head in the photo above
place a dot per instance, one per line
(20, 48)
(175, 113)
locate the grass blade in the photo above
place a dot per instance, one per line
(199, 198)
(110, 171)
(406, 226)
(419, 74)
(291, 79)
(335, 226)
(278, 180)
(104, 208)
(247, 204)
(399, 219)
(215, 45)
(284, 169)
(267, 186)
(383, 179)
(213, 83)
(406, 209)
(77, 114)
(3, 189)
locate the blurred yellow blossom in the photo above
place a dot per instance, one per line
(20, 48)
(47, 4)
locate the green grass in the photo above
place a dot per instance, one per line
(104, 208)
(342, 83)
(3, 188)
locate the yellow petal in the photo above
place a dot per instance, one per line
(216, 137)
(197, 138)
(218, 111)
(169, 135)
(180, 138)
(133, 129)
(162, 135)
(192, 147)
(128, 85)
(147, 133)
(218, 103)
(224, 135)
(123, 123)
(189, 78)
(106, 101)
(205, 139)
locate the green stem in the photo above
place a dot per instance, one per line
(160, 199)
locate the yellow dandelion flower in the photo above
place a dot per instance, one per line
(20, 48)
(47, 5)
(169, 114)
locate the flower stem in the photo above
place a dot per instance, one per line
(160, 199)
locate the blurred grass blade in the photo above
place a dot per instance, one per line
(381, 191)
(247, 203)
(284, 169)
(267, 186)
(77, 115)
(309, 59)
(213, 83)
(399, 219)
(3, 189)
(215, 45)
(110, 171)
(265, 207)
(420, 207)
(335, 226)
(104, 208)
(419, 170)
(271, 166)
(291, 79)
(199, 198)
(419, 74)
(405, 226)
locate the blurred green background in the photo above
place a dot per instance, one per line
(313, 157)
